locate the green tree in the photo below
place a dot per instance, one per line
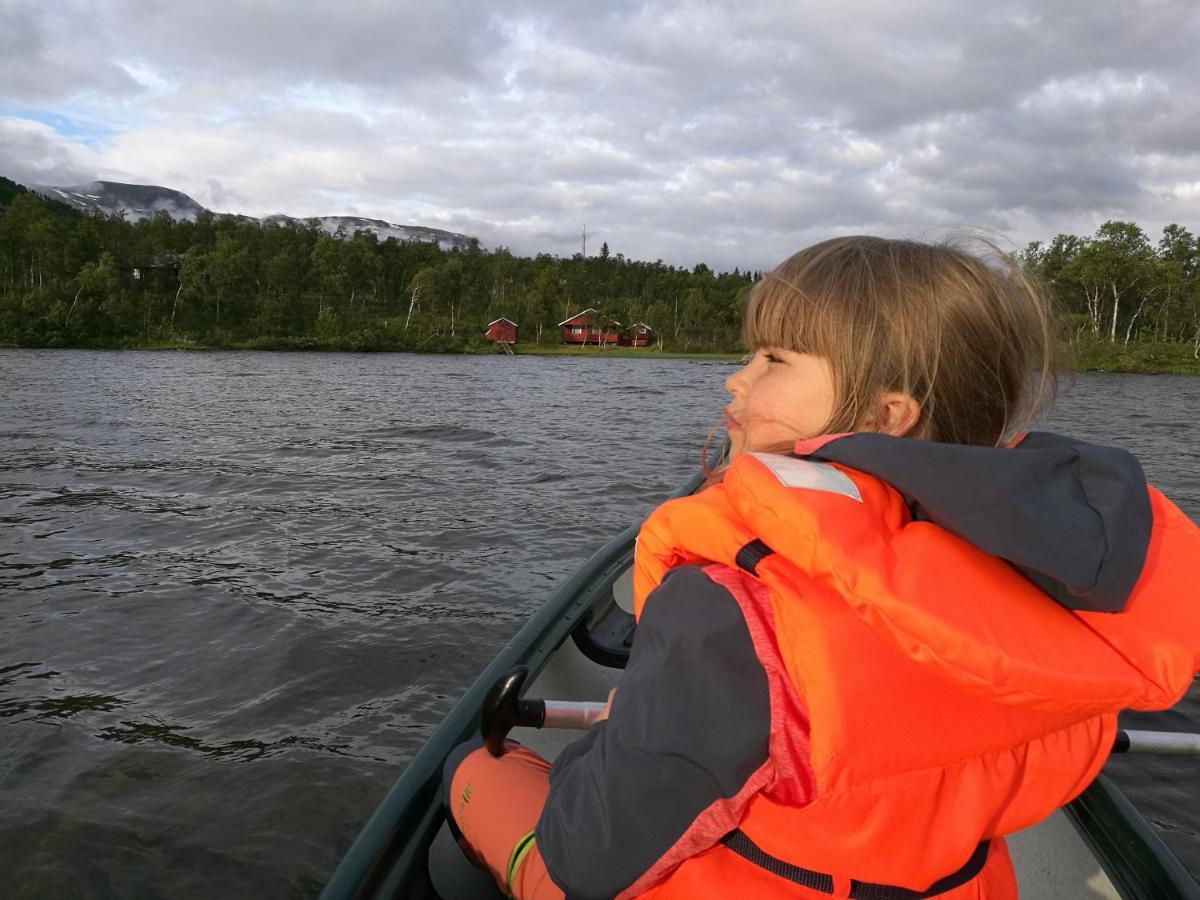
(1178, 282)
(1114, 265)
(230, 273)
(99, 307)
(329, 268)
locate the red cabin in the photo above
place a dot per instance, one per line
(590, 327)
(502, 331)
(639, 334)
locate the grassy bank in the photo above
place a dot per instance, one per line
(375, 342)
(623, 352)
(1146, 357)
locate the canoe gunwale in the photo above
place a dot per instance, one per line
(405, 821)
(386, 850)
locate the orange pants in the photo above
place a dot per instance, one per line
(495, 803)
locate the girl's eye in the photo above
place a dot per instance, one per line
(771, 357)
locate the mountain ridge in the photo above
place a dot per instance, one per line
(142, 201)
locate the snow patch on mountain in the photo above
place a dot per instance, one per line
(137, 201)
(143, 201)
(348, 225)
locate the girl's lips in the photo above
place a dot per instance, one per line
(731, 424)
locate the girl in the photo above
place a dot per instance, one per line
(887, 634)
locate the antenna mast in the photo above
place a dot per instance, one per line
(585, 240)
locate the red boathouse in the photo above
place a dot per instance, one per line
(639, 334)
(502, 331)
(590, 327)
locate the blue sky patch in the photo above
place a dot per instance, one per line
(88, 133)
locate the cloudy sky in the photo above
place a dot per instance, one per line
(728, 133)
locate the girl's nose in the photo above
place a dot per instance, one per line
(736, 383)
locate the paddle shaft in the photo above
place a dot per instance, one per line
(503, 708)
(1170, 743)
(571, 714)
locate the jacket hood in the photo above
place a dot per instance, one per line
(1073, 517)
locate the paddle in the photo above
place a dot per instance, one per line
(503, 710)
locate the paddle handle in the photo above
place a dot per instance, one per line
(504, 709)
(1170, 743)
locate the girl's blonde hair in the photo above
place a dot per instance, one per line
(968, 335)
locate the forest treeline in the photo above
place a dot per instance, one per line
(75, 279)
(71, 279)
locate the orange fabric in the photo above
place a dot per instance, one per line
(950, 700)
(495, 802)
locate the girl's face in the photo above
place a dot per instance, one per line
(779, 397)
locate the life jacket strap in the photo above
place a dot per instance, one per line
(741, 844)
(751, 555)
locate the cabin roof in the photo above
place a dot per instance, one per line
(577, 315)
(605, 320)
(502, 319)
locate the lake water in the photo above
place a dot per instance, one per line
(239, 590)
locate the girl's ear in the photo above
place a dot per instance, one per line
(897, 414)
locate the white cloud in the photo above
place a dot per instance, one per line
(34, 153)
(684, 130)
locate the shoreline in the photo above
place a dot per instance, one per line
(314, 347)
(1155, 359)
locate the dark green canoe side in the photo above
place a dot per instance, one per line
(1140, 865)
(388, 857)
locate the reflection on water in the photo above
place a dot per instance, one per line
(239, 590)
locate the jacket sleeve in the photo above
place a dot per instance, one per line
(689, 725)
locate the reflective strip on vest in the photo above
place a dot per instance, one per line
(801, 473)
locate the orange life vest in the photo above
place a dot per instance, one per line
(948, 699)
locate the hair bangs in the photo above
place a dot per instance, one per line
(781, 314)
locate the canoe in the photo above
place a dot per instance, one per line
(575, 646)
